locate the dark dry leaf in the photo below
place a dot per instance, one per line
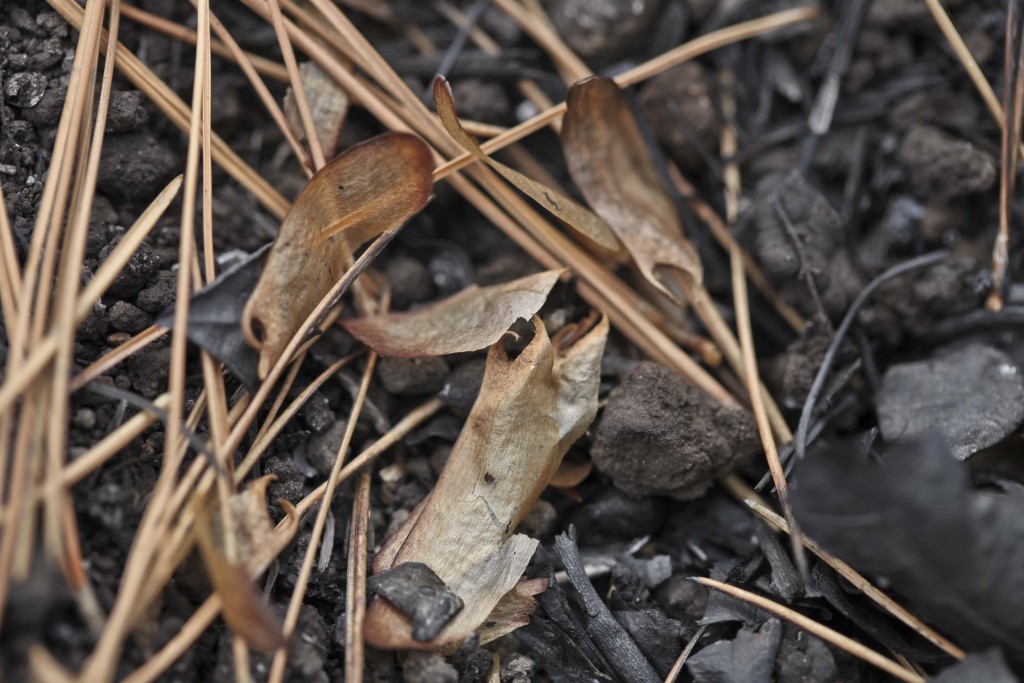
(612, 167)
(215, 317)
(420, 594)
(748, 658)
(562, 207)
(988, 667)
(973, 395)
(825, 584)
(370, 188)
(956, 553)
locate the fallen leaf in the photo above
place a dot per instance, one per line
(747, 658)
(368, 189)
(973, 395)
(237, 552)
(573, 214)
(612, 168)
(215, 317)
(328, 105)
(473, 319)
(955, 553)
(514, 438)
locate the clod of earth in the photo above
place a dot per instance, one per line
(661, 436)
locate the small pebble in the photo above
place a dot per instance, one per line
(411, 282)
(941, 166)
(603, 30)
(412, 376)
(428, 667)
(317, 413)
(683, 96)
(25, 89)
(135, 166)
(127, 318)
(322, 449)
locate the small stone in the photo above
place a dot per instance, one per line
(25, 89)
(135, 166)
(411, 282)
(480, 100)
(540, 521)
(85, 418)
(160, 294)
(683, 97)
(428, 667)
(47, 54)
(974, 396)
(128, 318)
(603, 30)
(317, 413)
(682, 599)
(322, 449)
(517, 668)
(148, 371)
(126, 111)
(415, 590)
(141, 266)
(412, 376)
(803, 657)
(463, 385)
(941, 166)
(661, 436)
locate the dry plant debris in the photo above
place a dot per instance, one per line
(373, 187)
(529, 411)
(826, 146)
(473, 319)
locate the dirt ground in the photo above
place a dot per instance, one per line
(910, 164)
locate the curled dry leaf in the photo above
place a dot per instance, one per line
(236, 552)
(530, 410)
(611, 166)
(473, 319)
(328, 105)
(368, 189)
(579, 217)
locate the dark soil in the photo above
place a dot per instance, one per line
(909, 165)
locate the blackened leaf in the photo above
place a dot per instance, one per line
(989, 667)
(420, 594)
(825, 584)
(957, 554)
(215, 317)
(973, 395)
(748, 658)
